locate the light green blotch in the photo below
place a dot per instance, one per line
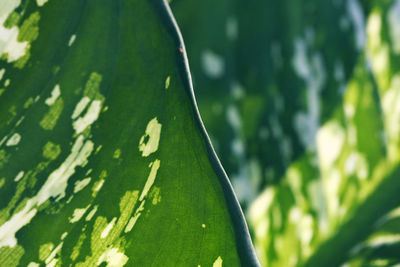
(92, 95)
(98, 245)
(92, 87)
(77, 248)
(103, 174)
(12, 20)
(51, 117)
(5, 212)
(3, 158)
(14, 204)
(127, 203)
(10, 257)
(98, 149)
(2, 182)
(117, 154)
(56, 69)
(45, 251)
(51, 151)
(2, 91)
(155, 195)
(29, 32)
(101, 246)
(375, 262)
(33, 264)
(167, 82)
(32, 174)
(99, 184)
(218, 262)
(28, 102)
(13, 113)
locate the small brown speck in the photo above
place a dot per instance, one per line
(181, 49)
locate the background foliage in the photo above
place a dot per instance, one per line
(302, 101)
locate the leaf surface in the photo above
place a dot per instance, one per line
(103, 156)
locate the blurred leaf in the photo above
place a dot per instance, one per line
(103, 156)
(340, 205)
(283, 68)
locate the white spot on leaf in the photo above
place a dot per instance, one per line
(108, 228)
(150, 180)
(218, 262)
(79, 185)
(91, 214)
(78, 213)
(153, 131)
(19, 176)
(90, 117)
(113, 257)
(71, 40)
(80, 107)
(54, 95)
(14, 140)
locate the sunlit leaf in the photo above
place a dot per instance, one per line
(103, 156)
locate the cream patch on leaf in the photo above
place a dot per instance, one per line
(218, 262)
(41, 2)
(150, 180)
(77, 215)
(14, 140)
(113, 257)
(92, 114)
(153, 131)
(108, 228)
(54, 95)
(80, 107)
(79, 185)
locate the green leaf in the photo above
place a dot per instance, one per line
(104, 159)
